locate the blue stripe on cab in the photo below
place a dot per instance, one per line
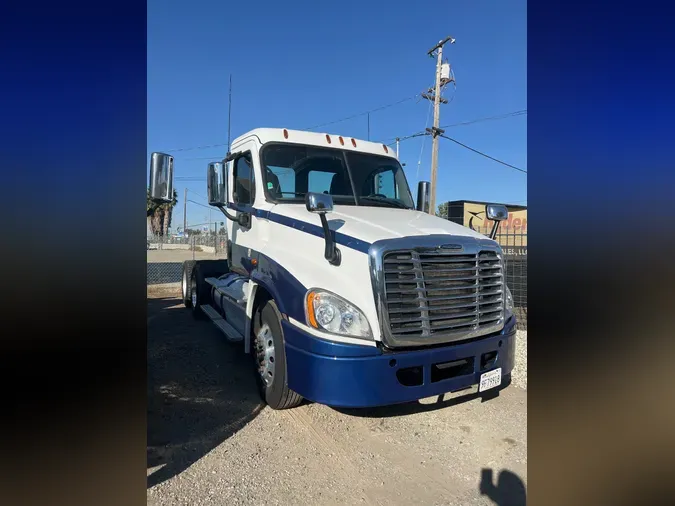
(315, 230)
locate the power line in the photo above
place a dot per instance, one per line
(197, 194)
(522, 112)
(220, 158)
(364, 113)
(407, 137)
(193, 148)
(482, 154)
(203, 205)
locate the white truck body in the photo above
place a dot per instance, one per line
(441, 323)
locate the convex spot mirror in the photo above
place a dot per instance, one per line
(161, 177)
(216, 180)
(496, 212)
(319, 203)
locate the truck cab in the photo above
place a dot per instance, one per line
(341, 289)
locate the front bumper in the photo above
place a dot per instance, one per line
(344, 375)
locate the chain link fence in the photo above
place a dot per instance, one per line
(165, 255)
(514, 246)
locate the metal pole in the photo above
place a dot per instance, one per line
(185, 212)
(229, 114)
(434, 142)
(397, 139)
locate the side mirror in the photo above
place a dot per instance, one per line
(216, 181)
(496, 212)
(423, 188)
(322, 203)
(161, 177)
(319, 203)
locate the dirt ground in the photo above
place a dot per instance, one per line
(211, 441)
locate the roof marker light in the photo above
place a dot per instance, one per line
(285, 134)
(342, 141)
(353, 143)
(386, 150)
(328, 138)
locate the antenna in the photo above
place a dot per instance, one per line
(229, 116)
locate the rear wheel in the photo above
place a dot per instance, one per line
(270, 359)
(199, 292)
(186, 285)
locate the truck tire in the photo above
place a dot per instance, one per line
(186, 286)
(269, 359)
(200, 292)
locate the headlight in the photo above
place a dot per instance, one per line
(509, 301)
(331, 313)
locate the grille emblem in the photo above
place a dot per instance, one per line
(452, 247)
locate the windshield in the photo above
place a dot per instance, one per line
(352, 178)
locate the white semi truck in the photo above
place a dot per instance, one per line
(338, 287)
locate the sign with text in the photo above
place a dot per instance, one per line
(515, 251)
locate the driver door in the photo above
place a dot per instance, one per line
(241, 240)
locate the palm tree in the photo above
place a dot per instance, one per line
(160, 214)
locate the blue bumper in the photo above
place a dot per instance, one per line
(344, 375)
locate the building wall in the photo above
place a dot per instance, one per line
(511, 234)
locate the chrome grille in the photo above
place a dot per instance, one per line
(436, 295)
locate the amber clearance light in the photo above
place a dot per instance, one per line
(310, 309)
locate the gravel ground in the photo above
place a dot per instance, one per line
(519, 374)
(211, 441)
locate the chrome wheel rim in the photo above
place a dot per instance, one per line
(184, 285)
(265, 357)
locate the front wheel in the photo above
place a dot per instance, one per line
(270, 359)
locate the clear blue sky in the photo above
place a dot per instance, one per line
(301, 64)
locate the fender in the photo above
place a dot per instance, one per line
(285, 289)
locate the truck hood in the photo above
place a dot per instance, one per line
(372, 224)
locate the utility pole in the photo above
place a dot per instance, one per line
(185, 213)
(397, 139)
(436, 131)
(229, 115)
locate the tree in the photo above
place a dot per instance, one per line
(442, 211)
(160, 214)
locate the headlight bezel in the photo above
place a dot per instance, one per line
(312, 321)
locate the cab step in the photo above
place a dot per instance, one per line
(230, 332)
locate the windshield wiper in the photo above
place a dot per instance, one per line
(385, 200)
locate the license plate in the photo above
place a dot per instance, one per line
(490, 379)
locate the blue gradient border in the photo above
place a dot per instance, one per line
(72, 173)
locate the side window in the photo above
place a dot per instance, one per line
(319, 182)
(244, 187)
(280, 182)
(385, 184)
